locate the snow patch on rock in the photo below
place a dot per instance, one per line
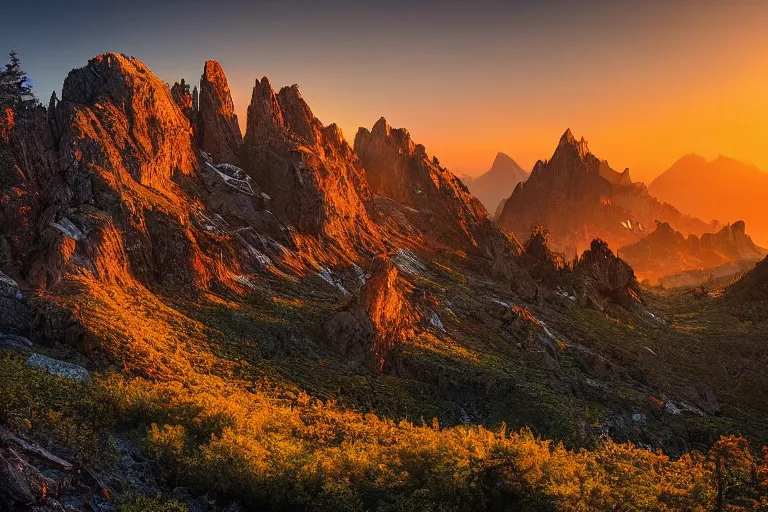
(326, 275)
(407, 262)
(69, 229)
(59, 368)
(434, 321)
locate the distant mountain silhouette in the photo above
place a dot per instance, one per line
(498, 183)
(724, 189)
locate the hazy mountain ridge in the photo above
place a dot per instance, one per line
(665, 252)
(498, 182)
(724, 189)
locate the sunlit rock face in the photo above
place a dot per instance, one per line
(368, 328)
(436, 202)
(220, 135)
(313, 177)
(578, 197)
(112, 189)
(400, 169)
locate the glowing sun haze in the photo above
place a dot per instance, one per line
(645, 84)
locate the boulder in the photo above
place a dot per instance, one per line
(370, 326)
(59, 368)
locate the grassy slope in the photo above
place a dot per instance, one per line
(246, 390)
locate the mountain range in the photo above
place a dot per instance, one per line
(576, 197)
(197, 318)
(666, 252)
(724, 189)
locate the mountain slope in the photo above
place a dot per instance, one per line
(724, 189)
(498, 183)
(578, 197)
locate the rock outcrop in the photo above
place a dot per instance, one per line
(315, 181)
(220, 134)
(665, 251)
(577, 197)
(368, 328)
(603, 280)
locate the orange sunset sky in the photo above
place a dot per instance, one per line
(645, 84)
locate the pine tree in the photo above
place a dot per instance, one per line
(15, 91)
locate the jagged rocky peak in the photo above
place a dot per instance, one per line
(400, 169)
(120, 104)
(283, 114)
(436, 202)
(182, 95)
(265, 116)
(315, 180)
(577, 197)
(119, 199)
(220, 134)
(571, 149)
(569, 143)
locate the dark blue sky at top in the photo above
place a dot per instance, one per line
(172, 37)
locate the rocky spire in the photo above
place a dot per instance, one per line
(310, 172)
(439, 204)
(220, 134)
(265, 116)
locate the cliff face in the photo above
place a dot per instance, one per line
(315, 181)
(578, 197)
(399, 169)
(107, 200)
(220, 135)
(437, 203)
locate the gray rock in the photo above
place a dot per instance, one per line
(14, 342)
(9, 288)
(59, 368)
